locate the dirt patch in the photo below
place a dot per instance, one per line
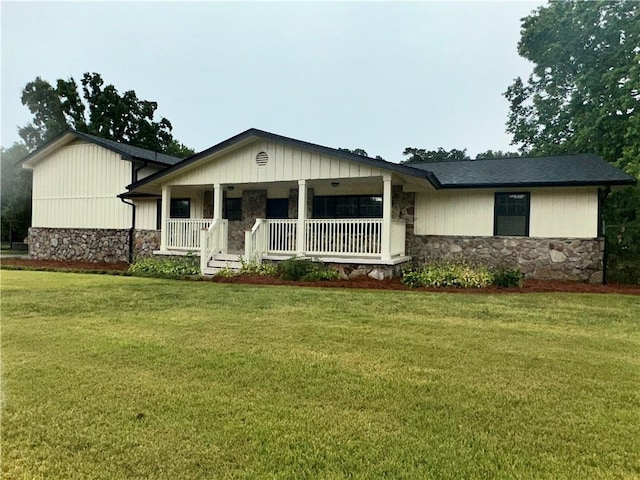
(530, 286)
(58, 264)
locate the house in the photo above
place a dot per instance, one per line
(269, 197)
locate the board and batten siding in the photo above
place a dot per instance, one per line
(554, 213)
(285, 163)
(461, 213)
(77, 187)
(568, 213)
(146, 211)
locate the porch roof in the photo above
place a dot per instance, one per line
(254, 133)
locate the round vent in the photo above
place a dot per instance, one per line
(262, 159)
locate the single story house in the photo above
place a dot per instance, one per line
(268, 197)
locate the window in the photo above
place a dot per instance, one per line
(511, 214)
(233, 209)
(277, 208)
(347, 206)
(180, 208)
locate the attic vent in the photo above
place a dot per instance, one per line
(262, 159)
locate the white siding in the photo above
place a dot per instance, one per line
(465, 213)
(555, 212)
(146, 171)
(569, 213)
(285, 164)
(146, 214)
(77, 187)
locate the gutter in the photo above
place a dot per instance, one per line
(132, 230)
(602, 229)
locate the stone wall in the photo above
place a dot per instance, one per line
(576, 259)
(79, 244)
(254, 205)
(145, 242)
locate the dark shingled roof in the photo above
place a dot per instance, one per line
(564, 170)
(129, 151)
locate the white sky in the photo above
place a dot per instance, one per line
(380, 76)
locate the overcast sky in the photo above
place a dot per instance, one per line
(379, 76)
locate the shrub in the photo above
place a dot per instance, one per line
(166, 267)
(448, 275)
(305, 269)
(508, 278)
(255, 268)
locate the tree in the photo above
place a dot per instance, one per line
(496, 154)
(359, 151)
(420, 155)
(98, 110)
(584, 95)
(584, 92)
(15, 193)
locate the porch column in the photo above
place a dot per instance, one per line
(385, 242)
(217, 201)
(164, 216)
(302, 216)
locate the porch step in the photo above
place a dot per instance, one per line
(222, 261)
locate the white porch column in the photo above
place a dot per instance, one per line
(164, 216)
(385, 242)
(302, 216)
(217, 201)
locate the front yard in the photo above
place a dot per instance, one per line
(122, 377)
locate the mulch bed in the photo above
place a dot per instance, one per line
(530, 286)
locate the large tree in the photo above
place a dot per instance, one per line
(15, 193)
(97, 109)
(584, 92)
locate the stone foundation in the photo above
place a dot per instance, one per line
(145, 242)
(577, 259)
(79, 244)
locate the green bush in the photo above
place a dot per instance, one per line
(508, 278)
(305, 269)
(166, 267)
(448, 275)
(255, 268)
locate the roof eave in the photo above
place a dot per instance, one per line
(260, 134)
(594, 183)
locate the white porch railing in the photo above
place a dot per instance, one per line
(184, 233)
(358, 236)
(255, 241)
(213, 240)
(281, 238)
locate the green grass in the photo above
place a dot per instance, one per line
(123, 377)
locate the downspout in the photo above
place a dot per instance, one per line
(602, 229)
(132, 230)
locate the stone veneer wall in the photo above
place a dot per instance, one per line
(79, 244)
(579, 259)
(145, 242)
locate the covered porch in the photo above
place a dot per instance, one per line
(242, 222)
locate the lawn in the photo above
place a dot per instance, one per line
(121, 377)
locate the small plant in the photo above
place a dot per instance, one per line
(305, 269)
(448, 275)
(226, 272)
(508, 278)
(166, 267)
(255, 268)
